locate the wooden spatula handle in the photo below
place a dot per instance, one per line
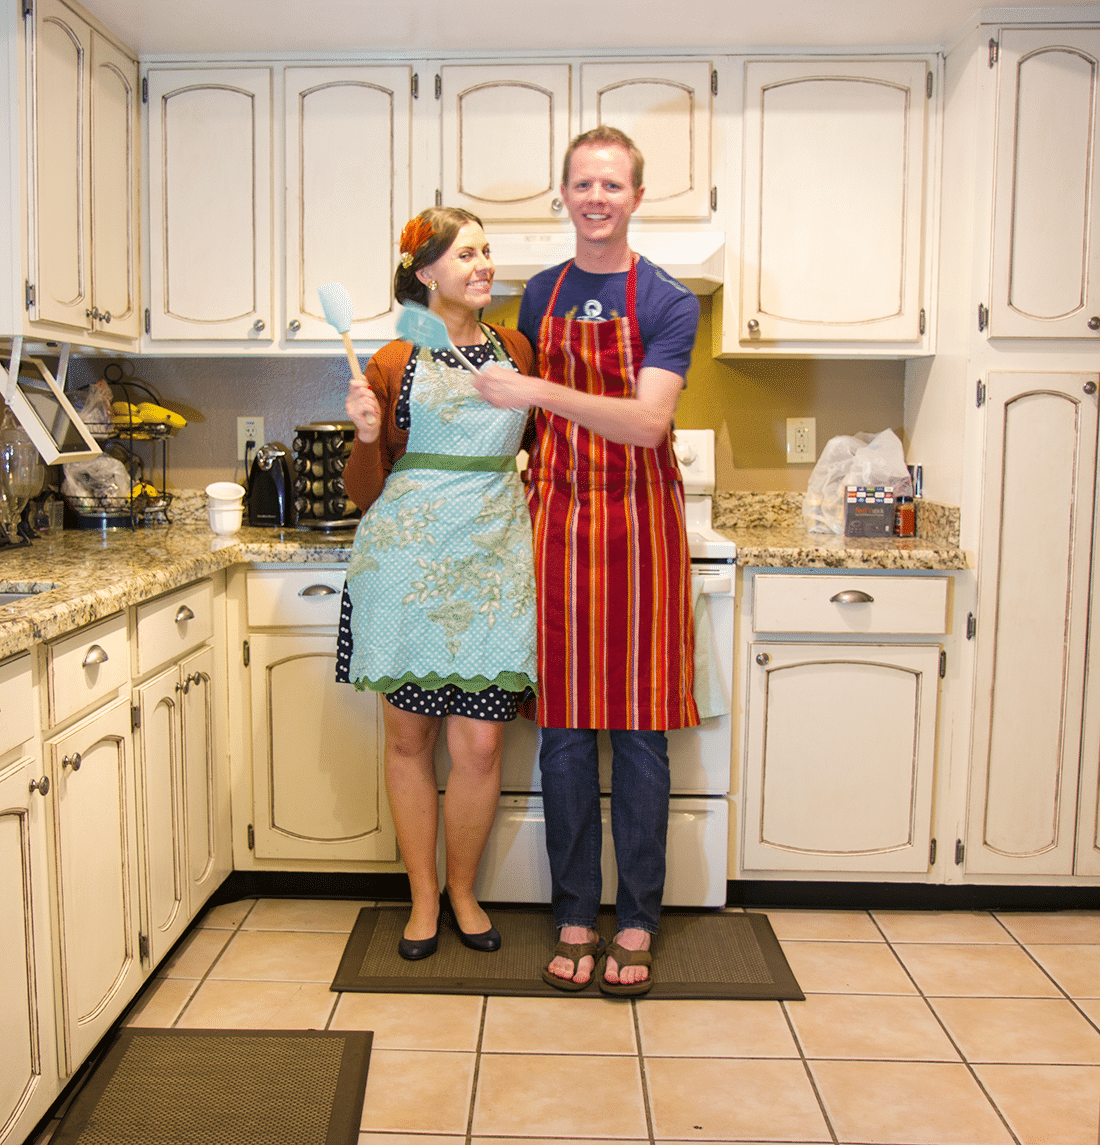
(353, 361)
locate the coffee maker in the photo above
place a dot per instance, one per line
(270, 496)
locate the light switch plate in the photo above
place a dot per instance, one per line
(801, 440)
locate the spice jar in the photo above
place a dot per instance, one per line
(905, 517)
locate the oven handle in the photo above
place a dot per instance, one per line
(716, 585)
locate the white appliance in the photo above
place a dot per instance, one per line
(514, 867)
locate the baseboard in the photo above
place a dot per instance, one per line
(908, 896)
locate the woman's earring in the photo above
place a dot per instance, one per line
(432, 284)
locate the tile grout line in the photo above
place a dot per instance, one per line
(477, 1070)
(641, 1067)
(202, 980)
(809, 1072)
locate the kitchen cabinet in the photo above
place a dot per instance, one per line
(837, 167)
(210, 200)
(82, 148)
(1046, 199)
(1027, 767)
(317, 788)
(28, 1064)
(841, 694)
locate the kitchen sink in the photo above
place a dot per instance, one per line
(14, 593)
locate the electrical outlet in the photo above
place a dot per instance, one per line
(801, 440)
(249, 429)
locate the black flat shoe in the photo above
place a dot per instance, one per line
(414, 949)
(487, 941)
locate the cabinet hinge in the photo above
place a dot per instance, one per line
(28, 294)
(143, 947)
(971, 625)
(714, 198)
(439, 87)
(148, 320)
(415, 85)
(979, 395)
(251, 837)
(928, 85)
(994, 52)
(135, 717)
(943, 663)
(28, 8)
(714, 81)
(983, 317)
(960, 852)
(932, 853)
(245, 653)
(921, 322)
(144, 89)
(438, 197)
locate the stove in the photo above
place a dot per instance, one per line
(694, 449)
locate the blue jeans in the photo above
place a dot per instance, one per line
(569, 762)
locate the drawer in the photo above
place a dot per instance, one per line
(290, 598)
(87, 666)
(16, 709)
(787, 602)
(170, 625)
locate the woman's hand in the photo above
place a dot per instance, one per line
(504, 388)
(364, 410)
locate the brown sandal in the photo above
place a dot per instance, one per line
(574, 951)
(626, 957)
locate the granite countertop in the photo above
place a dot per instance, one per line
(85, 575)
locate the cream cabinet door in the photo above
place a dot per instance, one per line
(28, 1065)
(210, 197)
(1033, 599)
(665, 108)
(840, 757)
(1046, 210)
(317, 745)
(505, 131)
(95, 869)
(833, 201)
(347, 193)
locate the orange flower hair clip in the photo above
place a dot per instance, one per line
(416, 233)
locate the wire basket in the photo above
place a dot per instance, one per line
(113, 512)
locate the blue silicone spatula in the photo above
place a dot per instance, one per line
(420, 326)
(336, 303)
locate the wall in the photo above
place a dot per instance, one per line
(745, 401)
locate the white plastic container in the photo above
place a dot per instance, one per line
(226, 500)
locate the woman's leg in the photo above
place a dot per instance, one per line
(414, 804)
(469, 807)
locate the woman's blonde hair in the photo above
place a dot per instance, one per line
(427, 236)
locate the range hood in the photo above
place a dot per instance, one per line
(694, 257)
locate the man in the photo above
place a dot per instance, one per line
(613, 336)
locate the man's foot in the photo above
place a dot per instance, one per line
(629, 939)
(574, 972)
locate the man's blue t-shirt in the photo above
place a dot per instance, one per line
(668, 313)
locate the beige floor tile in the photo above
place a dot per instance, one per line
(418, 1091)
(413, 1021)
(1075, 968)
(1024, 1030)
(1091, 1009)
(227, 916)
(958, 969)
(715, 1029)
(847, 968)
(409, 1139)
(554, 1095)
(223, 1005)
(882, 1026)
(162, 1002)
(566, 1025)
(732, 1099)
(337, 915)
(1074, 926)
(557, 1141)
(1047, 1105)
(282, 956)
(941, 926)
(196, 954)
(907, 1103)
(824, 925)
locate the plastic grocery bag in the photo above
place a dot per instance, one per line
(857, 459)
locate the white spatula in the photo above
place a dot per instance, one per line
(420, 326)
(336, 303)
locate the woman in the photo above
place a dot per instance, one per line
(439, 605)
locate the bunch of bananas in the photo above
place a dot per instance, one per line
(126, 413)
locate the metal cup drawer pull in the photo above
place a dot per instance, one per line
(318, 590)
(74, 761)
(852, 596)
(42, 786)
(94, 655)
(184, 613)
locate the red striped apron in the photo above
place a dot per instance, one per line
(615, 632)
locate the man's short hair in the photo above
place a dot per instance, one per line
(605, 136)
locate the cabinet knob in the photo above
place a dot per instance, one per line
(94, 655)
(42, 786)
(852, 596)
(258, 325)
(1089, 387)
(74, 761)
(556, 205)
(1094, 323)
(294, 325)
(184, 613)
(763, 659)
(106, 316)
(754, 326)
